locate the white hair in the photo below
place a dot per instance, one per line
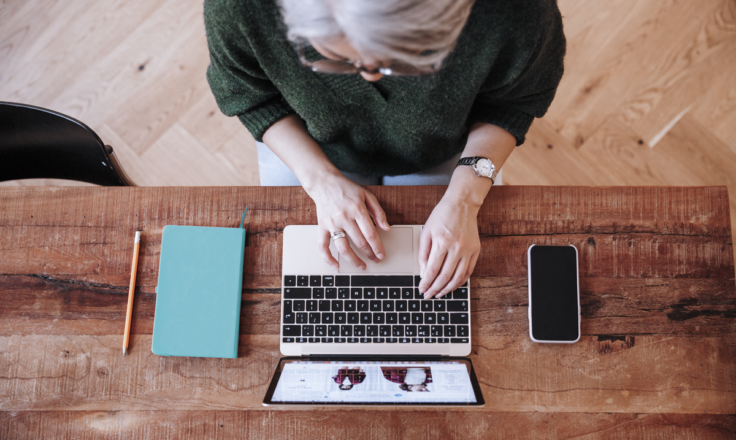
(417, 32)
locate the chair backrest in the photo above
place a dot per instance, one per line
(40, 143)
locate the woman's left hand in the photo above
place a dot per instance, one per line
(448, 247)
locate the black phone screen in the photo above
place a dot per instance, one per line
(553, 290)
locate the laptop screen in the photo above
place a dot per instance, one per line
(374, 382)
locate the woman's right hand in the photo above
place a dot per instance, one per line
(345, 206)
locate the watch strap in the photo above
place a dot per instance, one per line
(468, 160)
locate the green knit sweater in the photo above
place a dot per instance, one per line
(504, 71)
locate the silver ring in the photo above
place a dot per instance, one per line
(338, 234)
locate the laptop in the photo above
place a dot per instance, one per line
(370, 326)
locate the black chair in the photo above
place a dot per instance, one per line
(40, 143)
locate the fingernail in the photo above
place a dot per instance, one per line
(362, 267)
(380, 256)
(426, 296)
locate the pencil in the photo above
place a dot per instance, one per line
(133, 270)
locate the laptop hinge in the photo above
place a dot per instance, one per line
(382, 356)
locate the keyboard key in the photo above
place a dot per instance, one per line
(449, 331)
(314, 318)
(358, 330)
(426, 306)
(443, 340)
(416, 318)
(323, 305)
(461, 293)
(289, 339)
(443, 318)
(340, 340)
(378, 340)
(333, 330)
(350, 305)
(459, 340)
(436, 330)
(388, 306)
(382, 293)
(430, 340)
(457, 306)
(315, 280)
(375, 306)
(394, 293)
(307, 330)
(410, 330)
(369, 293)
(423, 331)
(302, 318)
(407, 293)
(289, 317)
(382, 280)
(336, 305)
(363, 305)
(318, 292)
(392, 318)
(414, 306)
(302, 280)
(371, 330)
(342, 280)
(343, 293)
(328, 280)
(418, 295)
(404, 340)
(448, 295)
(417, 280)
(356, 293)
(290, 280)
(385, 330)
(299, 306)
(341, 318)
(292, 330)
(404, 318)
(346, 330)
(311, 305)
(378, 318)
(397, 330)
(366, 340)
(296, 293)
(302, 340)
(439, 305)
(313, 340)
(430, 318)
(330, 293)
(365, 318)
(459, 318)
(353, 318)
(320, 330)
(353, 340)
(391, 340)
(327, 318)
(328, 340)
(417, 340)
(463, 331)
(401, 306)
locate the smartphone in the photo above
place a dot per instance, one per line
(554, 294)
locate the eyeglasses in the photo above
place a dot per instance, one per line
(349, 67)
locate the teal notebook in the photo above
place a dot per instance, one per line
(199, 292)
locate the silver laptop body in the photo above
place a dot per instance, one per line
(377, 311)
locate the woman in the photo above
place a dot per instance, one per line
(411, 379)
(346, 91)
(348, 377)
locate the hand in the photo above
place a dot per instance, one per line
(448, 247)
(345, 206)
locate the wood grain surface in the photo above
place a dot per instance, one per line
(657, 358)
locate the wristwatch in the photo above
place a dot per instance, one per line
(482, 166)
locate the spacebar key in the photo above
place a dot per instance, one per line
(382, 281)
(297, 293)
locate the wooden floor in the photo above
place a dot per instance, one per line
(648, 97)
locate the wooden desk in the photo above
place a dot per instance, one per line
(658, 303)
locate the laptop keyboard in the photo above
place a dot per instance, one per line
(377, 309)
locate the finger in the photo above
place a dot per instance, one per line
(378, 214)
(369, 232)
(324, 249)
(471, 266)
(359, 240)
(425, 245)
(344, 249)
(444, 276)
(458, 279)
(434, 264)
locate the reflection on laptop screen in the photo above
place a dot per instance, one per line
(374, 382)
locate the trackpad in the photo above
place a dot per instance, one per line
(399, 253)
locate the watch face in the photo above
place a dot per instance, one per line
(484, 167)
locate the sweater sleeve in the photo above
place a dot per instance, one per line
(240, 86)
(523, 81)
